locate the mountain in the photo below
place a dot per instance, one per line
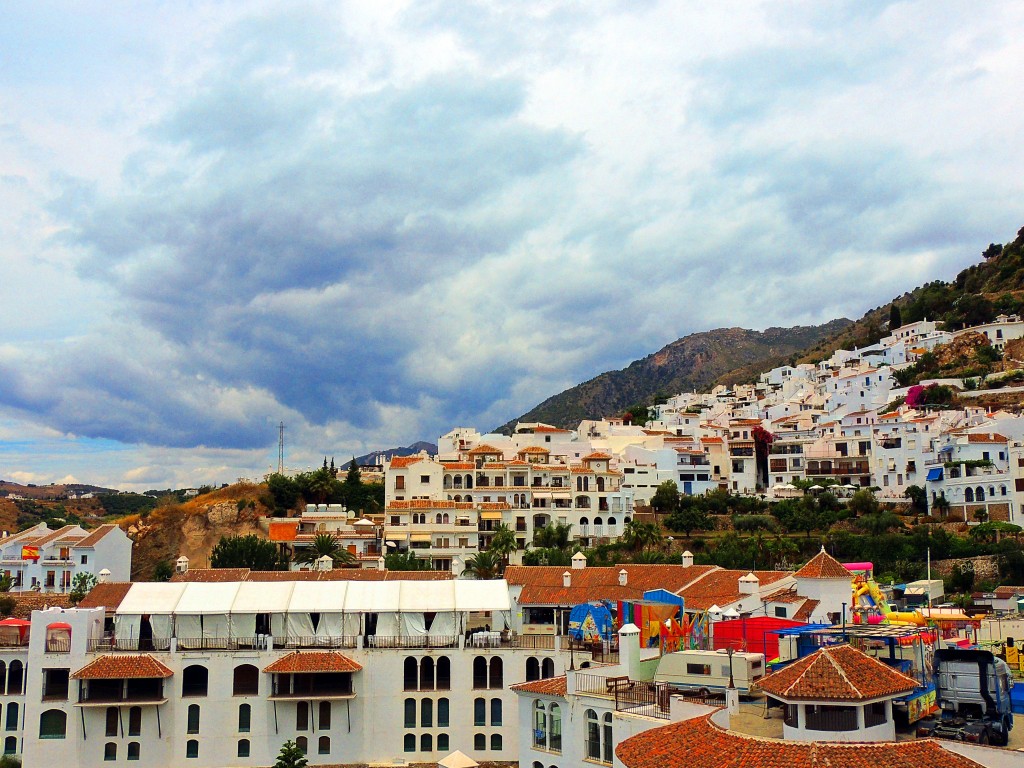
(377, 457)
(697, 361)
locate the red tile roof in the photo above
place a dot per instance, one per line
(785, 596)
(313, 661)
(986, 437)
(95, 536)
(108, 595)
(721, 587)
(467, 466)
(542, 585)
(552, 686)
(209, 575)
(544, 428)
(122, 666)
(338, 574)
(699, 743)
(597, 456)
(401, 462)
(823, 566)
(485, 449)
(1007, 591)
(839, 673)
(534, 449)
(806, 610)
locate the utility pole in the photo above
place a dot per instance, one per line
(280, 448)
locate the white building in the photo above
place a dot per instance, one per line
(43, 560)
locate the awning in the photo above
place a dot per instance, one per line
(420, 537)
(151, 597)
(488, 514)
(935, 473)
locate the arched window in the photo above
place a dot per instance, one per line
(1002, 490)
(532, 669)
(547, 668)
(246, 681)
(409, 743)
(469, 481)
(495, 711)
(135, 722)
(497, 676)
(606, 737)
(427, 674)
(437, 519)
(611, 522)
(409, 674)
(442, 715)
(598, 521)
(468, 498)
(538, 764)
(555, 732)
(302, 716)
(110, 751)
(480, 672)
(14, 678)
(324, 716)
(302, 743)
(479, 742)
(991, 491)
(426, 713)
(626, 520)
(479, 712)
(323, 745)
(442, 742)
(195, 679)
(243, 747)
(584, 522)
(53, 724)
(192, 748)
(244, 718)
(969, 495)
(11, 721)
(600, 484)
(540, 725)
(444, 673)
(979, 494)
(133, 750)
(496, 742)
(111, 722)
(3, 677)
(410, 713)
(426, 743)
(11, 745)
(444, 518)
(593, 740)
(458, 497)
(193, 718)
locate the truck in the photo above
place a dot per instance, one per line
(972, 693)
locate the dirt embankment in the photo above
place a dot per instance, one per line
(193, 528)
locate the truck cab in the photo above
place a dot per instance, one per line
(972, 692)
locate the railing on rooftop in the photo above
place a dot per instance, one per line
(385, 641)
(536, 642)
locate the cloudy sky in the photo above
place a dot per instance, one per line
(374, 221)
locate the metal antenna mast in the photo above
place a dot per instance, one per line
(280, 448)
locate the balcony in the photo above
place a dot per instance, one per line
(316, 685)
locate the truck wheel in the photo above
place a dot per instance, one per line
(983, 737)
(703, 693)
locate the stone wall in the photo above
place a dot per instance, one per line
(985, 567)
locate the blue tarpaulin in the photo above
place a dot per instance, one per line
(935, 473)
(664, 596)
(591, 621)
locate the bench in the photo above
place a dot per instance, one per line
(622, 682)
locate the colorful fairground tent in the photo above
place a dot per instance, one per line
(869, 606)
(658, 615)
(592, 622)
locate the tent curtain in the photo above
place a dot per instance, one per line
(215, 626)
(242, 625)
(126, 626)
(412, 625)
(279, 625)
(162, 630)
(330, 626)
(444, 625)
(352, 625)
(387, 624)
(300, 625)
(189, 630)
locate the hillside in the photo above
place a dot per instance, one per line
(733, 355)
(377, 456)
(696, 361)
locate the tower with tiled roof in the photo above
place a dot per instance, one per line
(826, 580)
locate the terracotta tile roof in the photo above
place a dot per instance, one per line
(46, 538)
(26, 602)
(547, 429)
(711, 440)
(823, 566)
(784, 596)
(806, 610)
(518, 463)
(534, 449)
(1007, 591)
(93, 537)
(699, 743)
(986, 437)
(542, 585)
(210, 575)
(313, 661)
(467, 466)
(597, 456)
(721, 587)
(401, 462)
(485, 449)
(108, 595)
(839, 673)
(122, 666)
(552, 686)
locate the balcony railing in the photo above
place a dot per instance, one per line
(425, 641)
(281, 690)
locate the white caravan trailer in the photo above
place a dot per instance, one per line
(702, 672)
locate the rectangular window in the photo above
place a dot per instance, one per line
(400, 483)
(780, 611)
(55, 684)
(424, 479)
(85, 559)
(698, 669)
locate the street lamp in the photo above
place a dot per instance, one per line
(732, 684)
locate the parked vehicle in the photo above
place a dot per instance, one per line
(701, 672)
(972, 691)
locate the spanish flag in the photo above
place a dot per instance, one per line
(29, 553)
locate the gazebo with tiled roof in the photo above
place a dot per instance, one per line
(838, 693)
(313, 674)
(128, 679)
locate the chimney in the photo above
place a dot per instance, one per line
(104, 576)
(380, 563)
(623, 577)
(181, 565)
(579, 561)
(687, 558)
(750, 584)
(567, 579)
(325, 563)
(629, 650)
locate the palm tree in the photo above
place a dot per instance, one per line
(639, 535)
(552, 536)
(484, 565)
(503, 543)
(329, 545)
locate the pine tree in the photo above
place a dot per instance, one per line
(895, 317)
(291, 756)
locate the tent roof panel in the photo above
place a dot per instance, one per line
(151, 597)
(471, 595)
(263, 597)
(427, 596)
(320, 596)
(200, 597)
(374, 596)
